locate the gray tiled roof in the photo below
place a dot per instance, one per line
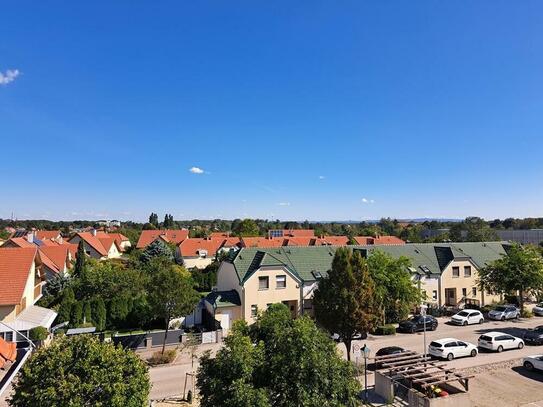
(305, 261)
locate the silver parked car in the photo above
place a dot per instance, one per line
(538, 309)
(503, 312)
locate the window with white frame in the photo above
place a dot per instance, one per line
(254, 310)
(263, 283)
(281, 282)
(434, 295)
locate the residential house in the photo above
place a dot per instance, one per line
(377, 240)
(97, 247)
(48, 234)
(446, 273)
(200, 252)
(123, 243)
(291, 233)
(168, 236)
(21, 283)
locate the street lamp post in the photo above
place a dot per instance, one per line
(423, 314)
(366, 351)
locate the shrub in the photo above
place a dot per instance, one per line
(385, 330)
(160, 358)
(38, 333)
(526, 313)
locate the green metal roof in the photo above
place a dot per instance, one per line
(221, 299)
(305, 262)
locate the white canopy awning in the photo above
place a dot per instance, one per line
(31, 317)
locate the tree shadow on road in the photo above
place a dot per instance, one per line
(533, 375)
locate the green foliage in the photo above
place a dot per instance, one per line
(81, 371)
(38, 333)
(526, 313)
(87, 312)
(80, 259)
(170, 295)
(344, 301)
(156, 249)
(168, 222)
(52, 291)
(205, 279)
(246, 227)
(66, 302)
(521, 270)
(296, 365)
(99, 313)
(153, 220)
(76, 314)
(385, 330)
(395, 292)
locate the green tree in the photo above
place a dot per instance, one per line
(87, 312)
(99, 313)
(156, 249)
(395, 292)
(76, 314)
(246, 227)
(66, 303)
(80, 259)
(520, 271)
(153, 220)
(251, 368)
(344, 300)
(86, 373)
(171, 295)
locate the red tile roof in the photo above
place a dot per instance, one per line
(46, 261)
(15, 264)
(47, 234)
(58, 255)
(20, 242)
(232, 241)
(191, 247)
(216, 235)
(93, 241)
(262, 242)
(379, 240)
(334, 241)
(149, 236)
(8, 352)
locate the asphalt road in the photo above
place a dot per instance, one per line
(470, 333)
(169, 380)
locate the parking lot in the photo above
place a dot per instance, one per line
(468, 333)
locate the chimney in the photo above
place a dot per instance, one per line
(93, 231)
(30, 237)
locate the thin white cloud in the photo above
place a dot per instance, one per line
(9, 76)
(196, 170)
(322, 177)
(284, 204)
(367, 201)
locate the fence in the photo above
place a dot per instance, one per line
(153, 339)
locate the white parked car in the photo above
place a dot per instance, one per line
(538, 309)
(534, 362)
(468, 317)
(451, 348)
(499, 341)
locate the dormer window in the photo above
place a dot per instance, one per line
(202, 253)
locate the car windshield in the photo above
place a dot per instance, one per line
(500, 309)
(463, 314)
(416, 319)
(435, 344)
(486, 338)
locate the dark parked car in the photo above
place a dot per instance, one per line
(357, 337)
(417, 324)
(534, 336)
(389, 350)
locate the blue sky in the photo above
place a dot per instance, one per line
(293, 110)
